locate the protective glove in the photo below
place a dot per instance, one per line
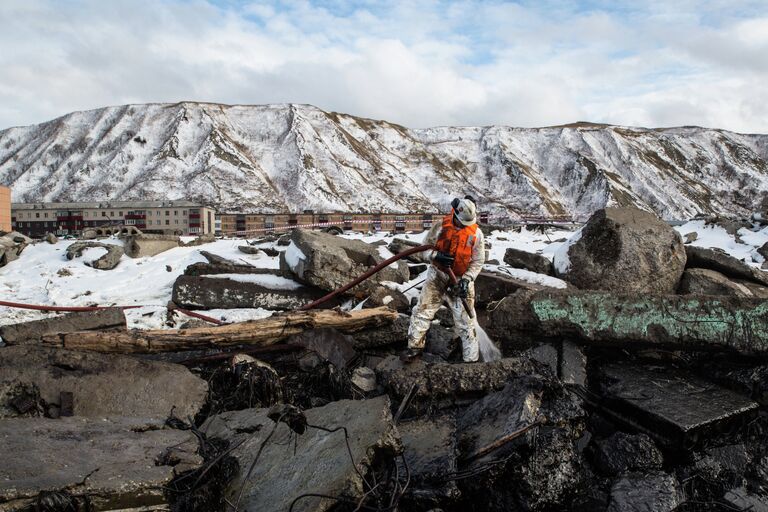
(443, 259)
(463, 288)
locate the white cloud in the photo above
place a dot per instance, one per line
(418, 64)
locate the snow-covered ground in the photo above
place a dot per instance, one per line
(43, 275)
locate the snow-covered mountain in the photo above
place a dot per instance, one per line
(296, 157)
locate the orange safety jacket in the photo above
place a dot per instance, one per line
(458, 242)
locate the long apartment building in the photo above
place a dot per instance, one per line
(235, 224)
(165, 217)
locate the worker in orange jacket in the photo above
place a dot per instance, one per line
(459, 246)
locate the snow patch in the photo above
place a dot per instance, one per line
(267, 280)
(561, 260)
(294, 257)
(528, 276)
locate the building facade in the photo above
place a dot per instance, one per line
(241, 224)
(5, 209)
(164, 217)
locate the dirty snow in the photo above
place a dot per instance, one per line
(91, 254)
(713, 236)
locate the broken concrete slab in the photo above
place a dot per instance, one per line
(720, 261)
(534, 427)
(104, 463)
(672, 406)
(384, 335)
(384, 296)
(331, 345)
(740, 323)
(142, 245)
(498, 415)
(573, 364)
(623, 250)
(249, 249)
(210, 292)
(106, 262)
(104, 385)
(51, 238)
(11, 246)
(494, 286)
(32, 332)
(649, 492)
(622, 452)
(529, 261)
(204, 269)
(329, 261)
(725, 464)
(320, 463)
(741, 499)
(702, 281)
(431, 452)
(448, 380)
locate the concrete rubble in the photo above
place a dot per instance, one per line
(91, 463)
(641, 385)
(32, 332)
(212, 292)
(329, 262)
(99, 385)
(321, 464)
(143, 245)
(106, 262)
(537, 263)
(11, 246)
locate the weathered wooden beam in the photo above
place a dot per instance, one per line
(262, 332)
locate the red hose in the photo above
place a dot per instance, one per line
(368, 274)
(74, 309)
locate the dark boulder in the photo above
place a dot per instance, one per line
(528, 261)
(623, 250)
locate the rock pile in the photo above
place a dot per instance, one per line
(640, 384)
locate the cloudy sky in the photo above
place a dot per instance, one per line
(419, 63)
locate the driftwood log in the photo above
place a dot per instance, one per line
(266, 331)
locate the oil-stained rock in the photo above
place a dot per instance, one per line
(449, 380)
(651, 492)
(110, 463)
(528, 261)
(33, 332)
(104, 385)
(622, 452)
(321, 462)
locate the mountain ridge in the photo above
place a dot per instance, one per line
(296, 156)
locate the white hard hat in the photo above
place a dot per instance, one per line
(465, 211)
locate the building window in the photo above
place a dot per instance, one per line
(183, 212)
(103, 214)
(37, 215)
(167, 212)
(167, 222)
(46, 215)
(175, 212)
(175, 221)
(120, 214)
